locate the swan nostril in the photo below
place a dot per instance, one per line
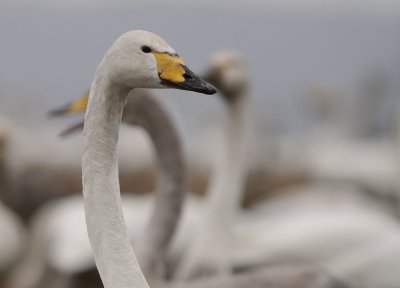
(187, 76)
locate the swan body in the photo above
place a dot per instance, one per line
(330, 225)
(273, 276)
(368, 162)
(12, 244)
(13, 233)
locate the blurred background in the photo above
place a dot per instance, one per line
(324, 93)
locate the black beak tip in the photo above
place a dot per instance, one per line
(209, 89)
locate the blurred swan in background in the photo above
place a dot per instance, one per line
(12, 241)
(344, 219)
(345, 145)
(209, 247)
(329, 224)
(48, 174)
(337, 215)
(368, 162)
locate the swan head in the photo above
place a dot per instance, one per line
(141, 59)
(228, 72)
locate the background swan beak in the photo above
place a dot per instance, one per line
(78, 127)
(76, 107)
(192, 82)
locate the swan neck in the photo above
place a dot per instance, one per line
(113, 253)
(226, 188)
(148, 112)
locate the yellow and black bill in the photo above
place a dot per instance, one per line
(174, 73)
(192, 82)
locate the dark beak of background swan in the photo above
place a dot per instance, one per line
(192, 83)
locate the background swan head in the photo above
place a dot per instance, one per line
(141, 59)
(228, 72)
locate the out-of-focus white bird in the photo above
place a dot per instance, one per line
(13, 239)
(332, 225)
(209, 247)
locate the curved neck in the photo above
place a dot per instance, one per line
(113, 253)
(145, 110)
(226, 187)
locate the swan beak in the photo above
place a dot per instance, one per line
(78, 106)
(174, 73)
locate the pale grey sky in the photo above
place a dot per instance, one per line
(50, 49)
(373, 5)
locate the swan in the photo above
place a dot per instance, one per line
(169, 71)
(370, 161)
(209, 248)
(227, 71)
(155, 64)
(137, 59)
(332, 225)
(12, 241)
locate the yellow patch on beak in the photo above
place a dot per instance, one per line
(79, 105)
(170, 67)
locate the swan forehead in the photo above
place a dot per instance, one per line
(155, 42)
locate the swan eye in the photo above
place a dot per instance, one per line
(146, 49)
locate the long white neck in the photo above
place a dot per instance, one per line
(210, 250)
(226, 187)
(113, 253)
(147, 111)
